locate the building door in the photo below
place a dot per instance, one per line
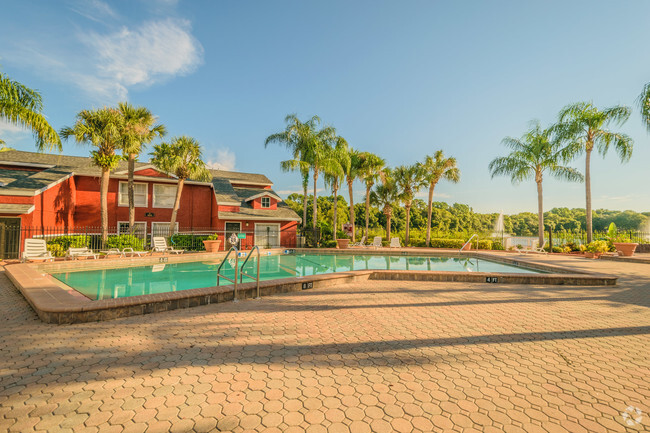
(9, 238)
(232, 228)
(267, 235)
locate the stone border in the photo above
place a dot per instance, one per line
(55, 302)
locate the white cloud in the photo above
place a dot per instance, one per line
(298, 190)
(95, 10)
(225, 160)
(11, 133)
(424, 195)
(153, 52)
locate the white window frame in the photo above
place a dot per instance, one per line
(119, 194)
(135, 222)
(153, 202)
(279, 244)
(262, 202)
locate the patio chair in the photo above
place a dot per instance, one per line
(112, 252)
(361, 243)
(539, 250)
(36, 249)
(528, 248)
(75, 253)
(376, 242)
(160, 246)
(130, 252)
(394, 243)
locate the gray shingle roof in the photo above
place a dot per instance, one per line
(247, 213)
(236, 177)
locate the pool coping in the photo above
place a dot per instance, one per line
(54, 302)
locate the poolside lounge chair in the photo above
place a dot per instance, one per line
(112, 252)
(539, 250)
(160, 246)
(361, 243)
(130, 252)
(85, 252)
(394, 243)
(376, 242)
(36, 249)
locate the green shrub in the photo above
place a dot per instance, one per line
(125, 241)
(57, 250)
(597, 247)
(65, 242)
(447, 243)
(328, 244)
(496, 245)
(190, 242)
(483, 244)
(558, 250)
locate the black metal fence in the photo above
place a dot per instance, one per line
(60, 239)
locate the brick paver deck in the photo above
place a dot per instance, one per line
(380, 356)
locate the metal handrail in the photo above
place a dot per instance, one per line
(470, 240)
(243, 274)
(219, 275)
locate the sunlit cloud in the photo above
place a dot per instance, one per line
(225, 160)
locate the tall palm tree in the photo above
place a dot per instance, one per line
(385, 196)
(139, 129)
(409, 181)
(334, 175)
(182, 157)
(370, 168)
(101, 128)
(320, 157)
(582, 126)
(539, 151)
(297, 137)
(352, 165)
(20, 105)
(434, 169)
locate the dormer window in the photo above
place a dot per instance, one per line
(266, 202)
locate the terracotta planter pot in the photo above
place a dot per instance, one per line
(342, 244)
(467, 247)
(212, 246)
(625, 248)
(591, 255)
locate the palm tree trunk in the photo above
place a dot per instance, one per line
(131, 188)
(350, 184)
(588, 194)
(429, 211)
(315, 210)
(367, 210)
(177, 204)
(335, 190)
(388, 218)
(305, 186)
(540, 213)
(407, 207)
(103, 201)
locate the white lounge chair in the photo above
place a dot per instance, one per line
(361, 243)
(160, 246)
(539, 250)
(36, 249)
(75, 253)
(130, 252)
(394, 243)
(376, 242)
(112, 252)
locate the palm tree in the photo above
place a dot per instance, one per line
(644, 105)
(409, 181)
(385, 196)
(434, 169)
(297, 137)
(139, 129)
(582, 126)
(101, 128)
(371, 166)
(537, 152)
(320, 157)
(352, 165)
(181, 157)
(335, 174)
(20, 105)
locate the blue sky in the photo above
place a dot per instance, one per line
(401, 79)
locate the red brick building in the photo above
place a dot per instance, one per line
(61, 193)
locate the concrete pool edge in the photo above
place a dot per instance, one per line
(56, 303)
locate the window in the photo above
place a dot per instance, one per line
(140, 229)
(266, 202)
(164, 195)
(139, 194)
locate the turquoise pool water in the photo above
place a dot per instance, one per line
(170, 277)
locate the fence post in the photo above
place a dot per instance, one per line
(3, 237)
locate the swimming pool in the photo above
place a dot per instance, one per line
(171, 277)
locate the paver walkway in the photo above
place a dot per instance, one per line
(380, 356)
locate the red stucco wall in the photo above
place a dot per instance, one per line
(257, 204)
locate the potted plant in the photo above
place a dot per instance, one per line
(595, 249)
(342, 244)
(622, 243)
(212, 243)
